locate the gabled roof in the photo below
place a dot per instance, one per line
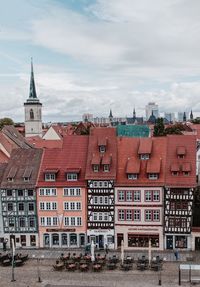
(175, 163)
(22, 162)
(129, 162)
(18, 140)
(69, 158)
(110, 155)
(145, 146)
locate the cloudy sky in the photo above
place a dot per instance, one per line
(93, 55)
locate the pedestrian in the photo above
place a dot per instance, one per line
(106, 246)
(176, 254)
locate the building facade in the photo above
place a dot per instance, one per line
(139, 193)
(18, 197)
(61, 195)
(101, 176)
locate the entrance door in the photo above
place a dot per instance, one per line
(197, 243)
(101, 242)
(169, 242)
(120, 237)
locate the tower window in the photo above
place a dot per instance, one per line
(31, 114)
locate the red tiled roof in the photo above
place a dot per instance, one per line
(96, 159)
(145, 146)
(133, 165)
(107, 159)
(189, 143)
(154, 165)
(3, 157)
(51, 170)
(128, 148)
(181, 150)
(42, 143)
(72, 155)
(75, 170)
(93, 148)
(102, 141)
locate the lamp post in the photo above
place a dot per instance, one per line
(13, 260)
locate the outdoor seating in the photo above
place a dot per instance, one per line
(19, 262)
(129, 259)
(111, 266)
(84, 267)
(97, 267)
(114, 259)
(6, 262)
(126, 266)
(71, 267)
(156, 266)
(59, 265)
(23, 257)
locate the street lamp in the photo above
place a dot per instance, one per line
(13, 259)
(38, 267)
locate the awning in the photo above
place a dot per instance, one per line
(181, 150)
(186, 167)
(153, 166)
(133, 166)
(175, 167)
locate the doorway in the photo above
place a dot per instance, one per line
(101, 242)
(169, 242)
(120, 237)
(197, 243)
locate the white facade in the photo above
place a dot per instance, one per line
(51, 134)
(139, 217)
(33, 119)
(96, 235)
(151, 107)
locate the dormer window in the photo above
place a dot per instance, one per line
(102, 148)
(72, 176)
(11, 174)
(153, 176)
(132, 176)
(144, 156)
(26, 179)
(10, 179)
(106, 167)
(175, 173)
(50, 176)
(186, 173)
(95, 167)
(27, 173)
(181, 152)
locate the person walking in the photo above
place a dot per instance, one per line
(176, 254)
(106, 247)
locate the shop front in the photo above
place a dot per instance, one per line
(101, 238)
(177, 241)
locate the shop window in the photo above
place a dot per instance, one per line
(33, 240)
(135, 240)
(64, 239)
(73, 239)
(46, 240)
(180, 242)
(23, 240)
(55, 239)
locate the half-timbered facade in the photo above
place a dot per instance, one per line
(139, 193)
(179, 191)
(101, 175)
(18, 197)
(61, 195)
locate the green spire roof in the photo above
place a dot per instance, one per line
(32, 92)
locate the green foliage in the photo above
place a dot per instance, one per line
(5, 121)
(159, 128)
(196, 121)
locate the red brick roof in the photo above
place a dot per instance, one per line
(3, 157)
(181, 150)
(128, 160)
(72, 156)
(38, 142)
(188, 161)
(145, 146)
(111, 150)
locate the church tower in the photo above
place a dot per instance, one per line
(33, 111)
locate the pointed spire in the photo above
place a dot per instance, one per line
(184, 117)
(32, 92)
(191, 115)
(110, 115)
(134, 113)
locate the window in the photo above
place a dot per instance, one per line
(48, 206)
(32, 222)
(79, 221)
(106, 168)
(78, 206)
(148, 195)
(72, 205)
(95, 199)
(48, 191)
(156, 195)
(156, 215)
(42, 206)
(26, 178)
(95, 167)
(48, 219)
(73, 239)
(121, 196)
(132, 176)
(42, 221)
(30, 192)
(144, 156)
(53, 192)
(136, 214)
(55, 239)
(153, 176)
(73, 221)
(55, 221)
(100, 199)
(129, 196)
(121, 215)
(72, 176)
(95, 217)
(10, 179)
(21, 206)
(136, 195)
(31, 206)
(147, 215)
(102, 148)
(11, 222)
(78, 191)
(106, 217)
(50, 176)
(128, 214)
(186, 173)
(175, 173)
(64, 239)
(10, 206)
(22, 222)
(20, 192)
(106, 201)
(100, 216)
(66, 205)
(9, 192)
(41, 191)
(72, 192)
(66, 221)
(54, 205)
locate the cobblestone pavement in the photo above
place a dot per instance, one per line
(27, 275)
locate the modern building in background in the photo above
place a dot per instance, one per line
(170, 117)
(151, 109)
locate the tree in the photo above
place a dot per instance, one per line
(159, 128)
(5, 122)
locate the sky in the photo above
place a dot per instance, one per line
(91, 56)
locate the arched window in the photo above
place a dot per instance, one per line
(55, 239)
(31, 114)
(64, 239)
(73, 239)
(46, 240)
